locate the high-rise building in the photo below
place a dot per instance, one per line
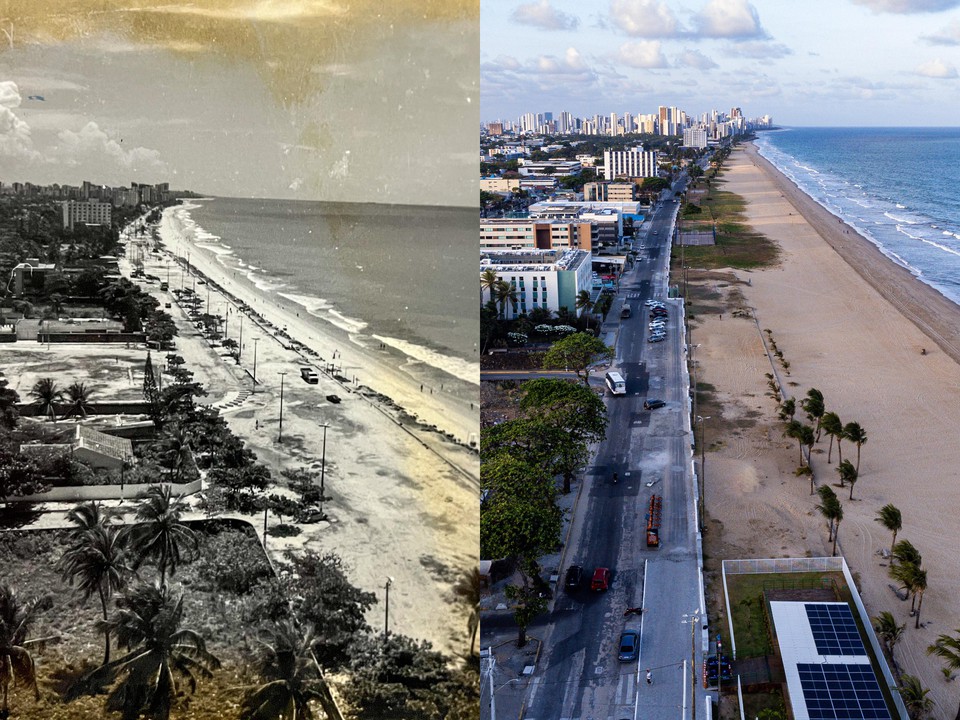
(635, 163)
(90, 212)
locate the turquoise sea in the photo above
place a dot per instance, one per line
(899, 187)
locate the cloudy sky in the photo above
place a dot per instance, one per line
(311, 99)
(804, 62)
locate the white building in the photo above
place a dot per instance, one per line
(629, 164)
(695, 137)
(88, 212)
(549, 279)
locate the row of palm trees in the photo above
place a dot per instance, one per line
(47, 397)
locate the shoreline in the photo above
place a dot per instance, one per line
(447, 408)
(931, 311)
(853, 324)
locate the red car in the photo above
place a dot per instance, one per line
(601, 580)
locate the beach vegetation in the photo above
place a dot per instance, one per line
(160, 536)
(914, 696)
(857, 435)
(9, 415)
(831, 425)
(78, 400)
(888, 631)
(947, 648)
(813, 406)
(889, 516)
(829, 504)
(46, 395)
(17, 617)
(848, 474)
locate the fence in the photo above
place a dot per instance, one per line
(80, 493)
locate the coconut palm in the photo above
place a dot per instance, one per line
(96, 562)
(857, 435)
(848, 474)
(947, 648)
(292, 677)
(162, 659)
(45, 396)
(831, 425)
(79, 400)
(806, 438)
(488, 282)
(794, 430)
(889, 517)
(788, 408)
(505, 292)
(16, 663)
(467, 591)
(914, 696)
(176, 450)
(828, 507)
(904, 552)
(919, 586)
(814, 408)
(159, 535)
(908, 577)
(888, 630)
(837, 518)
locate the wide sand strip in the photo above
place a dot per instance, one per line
(852, 324)
(403, 503)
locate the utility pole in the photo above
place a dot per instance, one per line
(386, 611)
(694, 620)
(255, 341)
(240, 344)
(280, 435)
(323, 464)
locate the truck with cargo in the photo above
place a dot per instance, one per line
(654, 511)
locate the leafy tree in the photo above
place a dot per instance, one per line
(323, 596)
(292, 677)
(45, 396)
(529, 603)
(831, 425)
(96, 557)
(19, 475)
(576, 352)
(159, 534)
(914, 696)
(163, 658)
(230, 564)
(857, 435)
(397, 678)
(889, 516)
(947, 648)
(151, 393)
(888, 630)
(16, 663)
(571, 410)
(8, 404)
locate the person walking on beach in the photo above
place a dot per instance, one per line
(649, 677)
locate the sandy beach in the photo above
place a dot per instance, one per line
(403, 496)
(852, 324)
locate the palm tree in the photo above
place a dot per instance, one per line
(292, 677)
(914, 696)
(79, 395)
(585, 304)
(467, 590)
(161, 653)
(806, 439)
(904, 552)
(919, 586)
(488, 282)
(96, 562)
(45, 396)
(857, 435)
(159, 534)
(176, 449)
(907, 575)
(16, 662)
(788, 408)
(848, 474)
(813, 406)
(90, 515)
(888, 630)
(889, 517)
(837, 518)
(828, 506)
(947, 648)
(505, 292)
(794, 430)
(831, 425)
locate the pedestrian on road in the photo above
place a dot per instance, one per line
(649, 678)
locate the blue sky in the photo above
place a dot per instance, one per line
(804, 62)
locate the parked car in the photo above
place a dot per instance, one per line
(629, 645)
(333, 398)
(601, 580)
(574, 578)
(656, 338)
(653, 404)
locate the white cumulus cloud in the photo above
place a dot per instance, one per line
(642, 54)
(937, 69)
(92, 145)
(15, 140)
(644, 18)
(732, 19)
(697, 60)
(544, 16)
(906, 7)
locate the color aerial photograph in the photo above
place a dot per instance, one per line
(239, 360)
(720, 354)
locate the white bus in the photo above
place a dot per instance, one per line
(616, 383)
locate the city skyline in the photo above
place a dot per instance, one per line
(798, 62)
(293, 100)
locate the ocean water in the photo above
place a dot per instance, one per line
(400, 275)
(899, 187)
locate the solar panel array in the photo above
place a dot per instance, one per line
(834, 629)
(842, 692)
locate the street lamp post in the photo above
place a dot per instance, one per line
(386, 610)
(280, 435)
(255, 341)
(323, 464)
(703, 467)
(240, 343)
(693, 619)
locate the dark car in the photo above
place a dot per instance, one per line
(653, 404)
(574, 578)
(629, 645)
(333, 398)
